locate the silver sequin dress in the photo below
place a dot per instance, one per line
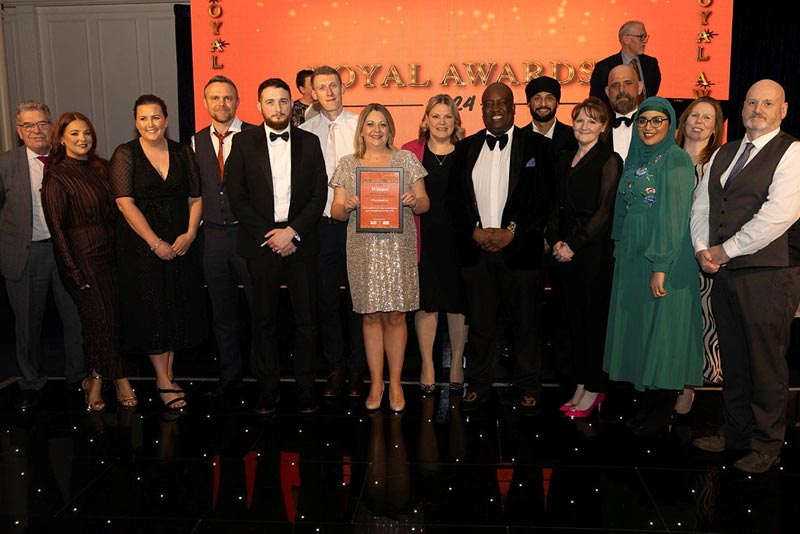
(382, 267)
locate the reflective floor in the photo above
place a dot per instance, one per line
(219, 467)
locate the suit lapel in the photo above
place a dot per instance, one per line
(24, 173)
(296, 158)
(515, 164)
(262, 149)
(472, 157)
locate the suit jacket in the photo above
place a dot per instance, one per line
(599, 79)
(530, 186)
(16, 212)
(563, 137)
(249, 180)
(216, 207)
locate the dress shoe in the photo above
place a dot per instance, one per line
(223, 388)
(567, 406)
(266, 403)
(28, 398)
(529, 404)
(473, 401)
(715, 443)
(335, 384)
(756, 462)
(306, 405)
(355, 386)
(598, 402)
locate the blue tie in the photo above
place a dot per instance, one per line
(739, 165)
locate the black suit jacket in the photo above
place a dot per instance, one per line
(530, 186)
(599, 79)
(248, 177)
(563, 137)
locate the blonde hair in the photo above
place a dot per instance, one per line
(358, 142)
(424, 128)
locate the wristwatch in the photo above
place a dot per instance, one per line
(511, 227)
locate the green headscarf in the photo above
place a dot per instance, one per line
(639, 154)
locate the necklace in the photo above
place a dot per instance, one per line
(440, 160)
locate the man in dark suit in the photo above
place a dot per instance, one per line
(500, 190)
(633, 38)
(223, 268)
(26, 255)
(277, 189)
(544, 96)
(745, 229)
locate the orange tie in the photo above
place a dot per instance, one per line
(221, 152)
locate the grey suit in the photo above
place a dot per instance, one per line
(30, 271)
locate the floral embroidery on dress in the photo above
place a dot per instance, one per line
(648, 194)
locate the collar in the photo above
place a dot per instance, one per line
(277, 132)
(761, 141)
(33, 155)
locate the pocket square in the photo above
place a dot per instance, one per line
(531, 163)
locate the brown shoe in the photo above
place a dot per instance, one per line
(335, 384)
(356, 386)
(714, 443)
(756, 462)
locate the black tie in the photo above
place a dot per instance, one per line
(491, 140)
(619, 120)
(273, 136)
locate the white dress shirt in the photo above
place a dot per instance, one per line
(490, 180)
(344, 137)
(776, 215)
(234, 128)
(280, 161)
(548, 134)
(622, 135)
(36, 171)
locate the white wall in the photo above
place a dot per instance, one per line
(94, 57)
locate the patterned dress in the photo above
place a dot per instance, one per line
(382, 267)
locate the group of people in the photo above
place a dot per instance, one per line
(617, 211)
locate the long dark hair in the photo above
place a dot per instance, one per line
(57, 150)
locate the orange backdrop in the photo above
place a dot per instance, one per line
(402, 52)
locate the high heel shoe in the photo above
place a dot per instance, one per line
(598, 401)
(427, 389)
(567, 406)
(90, 381)
(456, 386)
(375, 406)
(397, 407)
(130, 401)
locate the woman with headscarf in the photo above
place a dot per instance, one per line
(654, 334)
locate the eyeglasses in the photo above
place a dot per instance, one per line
(642, 37)
(656, 122)
(31, 126)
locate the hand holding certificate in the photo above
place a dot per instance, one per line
(381, 199)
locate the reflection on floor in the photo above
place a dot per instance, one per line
(221, 468)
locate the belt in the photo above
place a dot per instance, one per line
(48, 240)
(330, 220)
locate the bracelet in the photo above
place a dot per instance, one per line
(154, 246)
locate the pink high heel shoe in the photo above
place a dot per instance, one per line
(598, 401)
(567, 406)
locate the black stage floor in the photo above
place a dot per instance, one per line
(221, 468)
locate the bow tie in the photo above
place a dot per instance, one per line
(491, 140)
(273, 136)
(617, 122)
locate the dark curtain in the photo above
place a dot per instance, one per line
(183, 38)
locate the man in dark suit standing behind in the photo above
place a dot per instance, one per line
(223, 268)
(277, 188)
(544, 96)
(500, 190)
(26, 255)
(633, 38)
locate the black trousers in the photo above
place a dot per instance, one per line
(267, 272)
(489, 285)
(343, 352)
(754, 309)
(224, 270)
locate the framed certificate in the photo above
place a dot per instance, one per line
(379, 190)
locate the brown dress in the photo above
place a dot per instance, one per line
(80, 213)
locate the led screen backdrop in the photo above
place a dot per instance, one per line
(402, 52)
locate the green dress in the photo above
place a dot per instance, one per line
(655, 343)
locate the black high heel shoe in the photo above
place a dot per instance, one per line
(427, 389)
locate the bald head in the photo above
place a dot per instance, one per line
(623, 89)
(497, 105)
(764, 108)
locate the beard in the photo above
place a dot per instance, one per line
(624, 103)
(547, 116)
(277, 124)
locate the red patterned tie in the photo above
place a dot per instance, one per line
(43, 159)
(221, 153)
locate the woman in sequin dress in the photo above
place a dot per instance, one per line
(80, 213)
(654, 336)
(439, 274)
(156, 184)
(381, 267)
